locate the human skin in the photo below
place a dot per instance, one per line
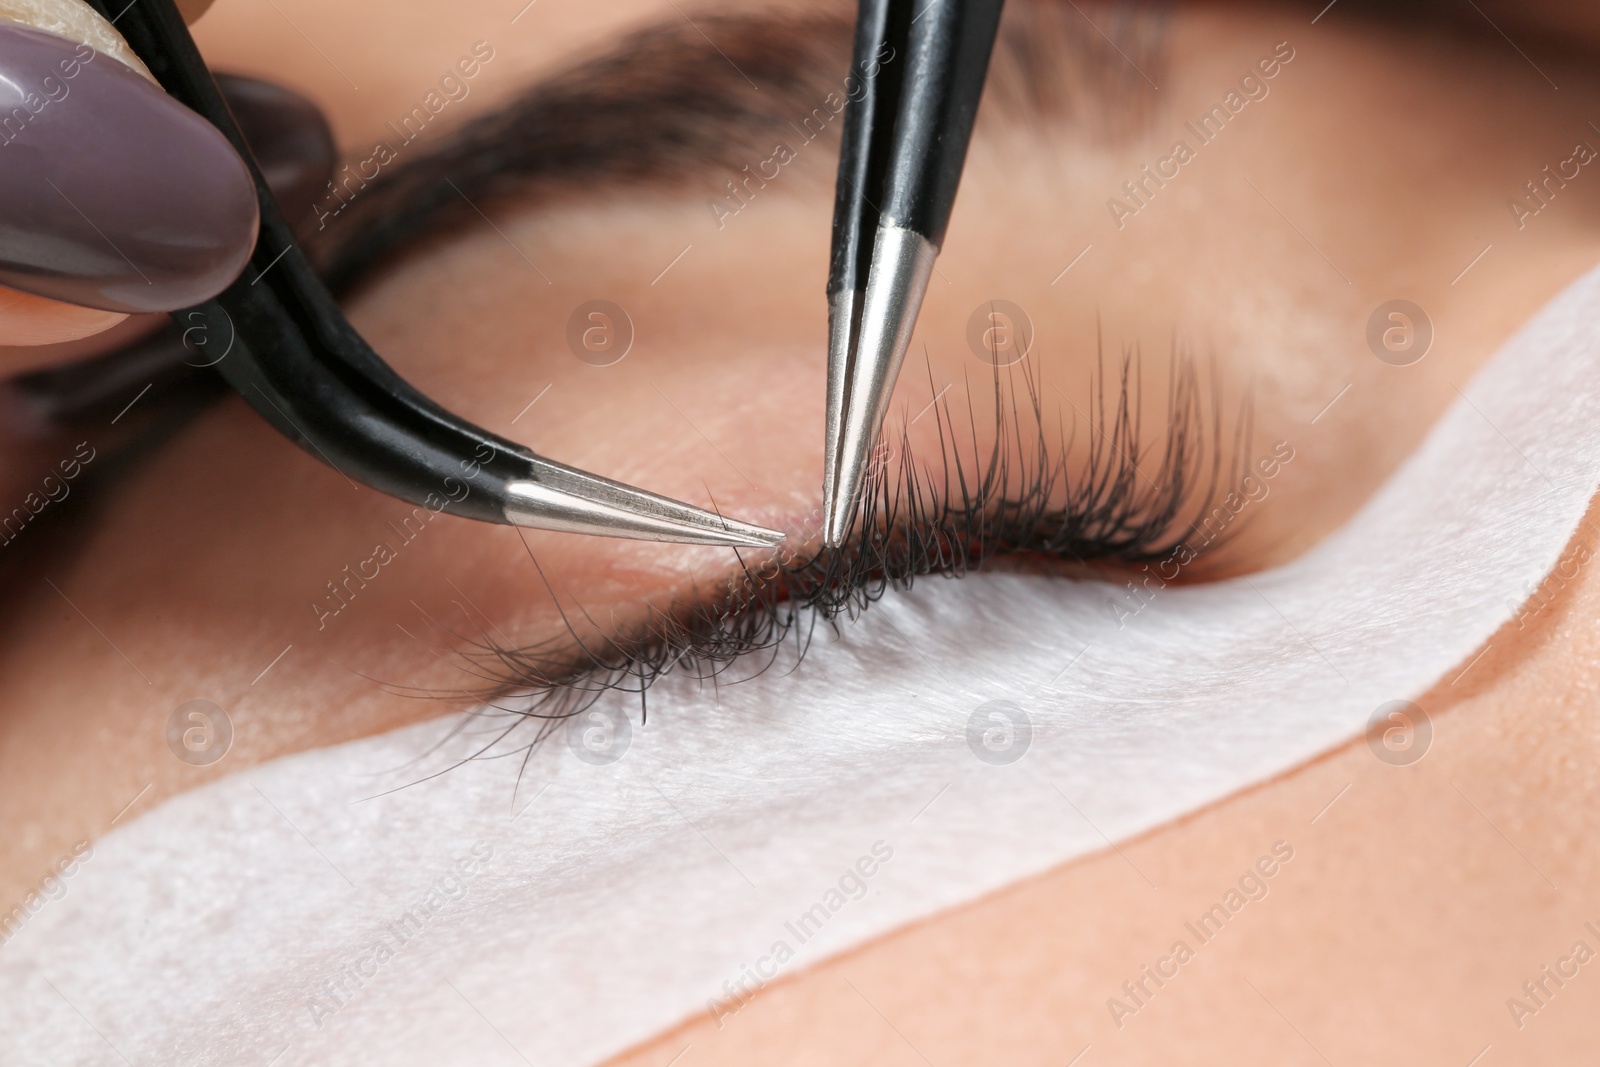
(1407, 915)
(36, 331)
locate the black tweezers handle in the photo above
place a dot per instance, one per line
(948, 45)
(295, 358)
(918, 68)
(877, 69)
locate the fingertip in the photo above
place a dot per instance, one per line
(193, 9)
(113, 194)
(30, 324)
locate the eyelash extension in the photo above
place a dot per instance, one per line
(1028, 497)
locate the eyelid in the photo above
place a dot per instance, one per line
(1026, 497)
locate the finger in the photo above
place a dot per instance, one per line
(113, 196)
(193, 9)
(31, 325)
(27, 320)
(295, 149)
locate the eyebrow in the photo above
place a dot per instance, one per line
(685, 99)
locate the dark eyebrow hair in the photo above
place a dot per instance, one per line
(683, 100)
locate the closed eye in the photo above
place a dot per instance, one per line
(1074, 503)
(1026, 485)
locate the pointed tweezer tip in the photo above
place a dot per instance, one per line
(854, 433)
(862, 369)
(745, 535)
(835, 523)
(573, 502)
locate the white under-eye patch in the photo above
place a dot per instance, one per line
(957, 739)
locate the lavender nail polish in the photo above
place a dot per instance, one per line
(112, 194)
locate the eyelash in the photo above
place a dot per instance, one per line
(1018, 499)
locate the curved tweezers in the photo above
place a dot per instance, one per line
(297, 360)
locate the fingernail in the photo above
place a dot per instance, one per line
(112, 194)
(290, 139)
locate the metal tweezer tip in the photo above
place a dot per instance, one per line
(861, 382)
(558, 497)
